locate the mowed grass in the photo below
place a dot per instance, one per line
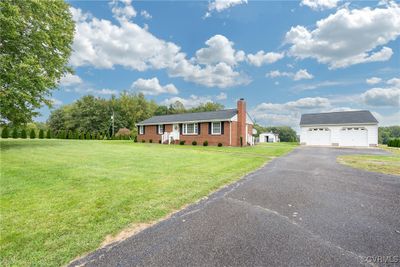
(59, 199)
(388, 164)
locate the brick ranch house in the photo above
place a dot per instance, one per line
(230, 127)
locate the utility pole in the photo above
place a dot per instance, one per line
(112, 118)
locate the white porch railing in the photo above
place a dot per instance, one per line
(169, 137)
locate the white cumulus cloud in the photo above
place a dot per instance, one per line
(384, 97)
(320, 4)
(70, 80)
(261, 58)
(289, 113)
(373, 80)
(219, 49)
(145, 14)
(348, 37)
(102, 44)
(221, 5)
(153, 87)
(301, 74)
(192, 101)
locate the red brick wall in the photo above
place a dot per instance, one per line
(213, 140)
(151, 133)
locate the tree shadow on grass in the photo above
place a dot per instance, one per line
(7, 144)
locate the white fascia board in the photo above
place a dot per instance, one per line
(341, 124)
(175, 122)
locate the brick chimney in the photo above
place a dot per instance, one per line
(242, 114)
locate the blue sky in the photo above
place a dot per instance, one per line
(284, 57)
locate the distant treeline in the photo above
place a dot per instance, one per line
(286, 134)
(387, 133)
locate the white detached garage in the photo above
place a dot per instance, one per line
(346, 128)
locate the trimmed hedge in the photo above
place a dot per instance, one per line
(23, 134)
(48, 134)
(4, 133)
(182, 142)
(15, 133)
(394, 142)
(205, 143)
(194, 143)
(41, 134)
(219, 144)
(32, 135)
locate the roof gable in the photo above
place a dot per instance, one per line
(220, 115)
(342, 117)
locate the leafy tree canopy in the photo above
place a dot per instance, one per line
(35, 45)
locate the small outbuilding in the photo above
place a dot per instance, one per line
(346, 128)
(268, 137)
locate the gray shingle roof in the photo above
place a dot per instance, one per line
(221, 115)
(342, 117)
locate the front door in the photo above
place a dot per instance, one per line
(175, 131)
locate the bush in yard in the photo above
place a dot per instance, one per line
(394, 142)
(41, 134)
(70, 135)
(194, 143)
(23, 134)
(219, 144)
(48, 134)
(15, 133)
(32, 134)
(205, 143)
(87, 137)
(123, 133)
(61, 134)
(182, 142)
(151, 141)
(135, 139)
(4, 133)
(143, 141)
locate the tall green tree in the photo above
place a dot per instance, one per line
(32, 134)
(4, 132)
(15, 133)
(35, 45)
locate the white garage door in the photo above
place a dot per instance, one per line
(353, 136)
(319, 137)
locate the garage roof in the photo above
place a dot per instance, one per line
(342, 117)
(220, 115)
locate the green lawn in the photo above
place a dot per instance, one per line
(388, 164)
(60, 198)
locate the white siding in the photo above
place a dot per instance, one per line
(338, 138)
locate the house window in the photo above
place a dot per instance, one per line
(216, 128)
(160, 129)
(190, 128)
(141, 130)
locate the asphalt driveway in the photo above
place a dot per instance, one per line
(301, 209)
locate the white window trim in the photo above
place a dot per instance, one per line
(196, 129)
(159, 128)
(141, 129)
(212, 128)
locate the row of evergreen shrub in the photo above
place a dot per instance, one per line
(394, 142)
(22, 134)
(5, 133)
